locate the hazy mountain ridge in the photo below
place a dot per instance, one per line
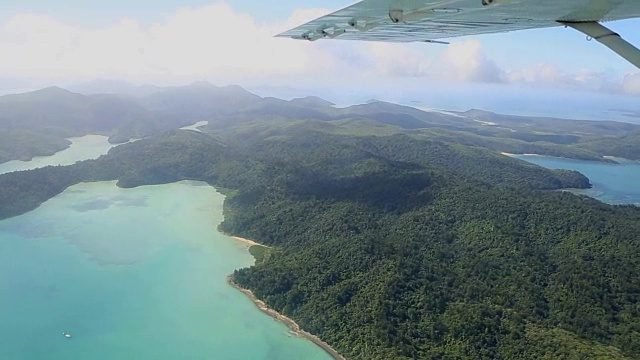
(61, 113)
(311, 101)
(552, 124)
(114, 87)
(25, 144)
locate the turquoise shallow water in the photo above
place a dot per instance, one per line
(81, 148)
(612, 183)
(132, 274)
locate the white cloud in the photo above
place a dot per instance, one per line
(466, 61)
(631, 83)
(218, 43)
(193, 43)
(538, 73)
(462, 61)
(547, 74)
(301, 16)
(393, 59)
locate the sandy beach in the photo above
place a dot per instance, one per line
(248, 242)
(510, 154)
(292, 325)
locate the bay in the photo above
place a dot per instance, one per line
(81, 148)
(612, 183)
(131, 274)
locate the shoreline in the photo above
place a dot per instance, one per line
(262, 306)
(605, 159)
(292, 325)
(247, 242)
(511, 154)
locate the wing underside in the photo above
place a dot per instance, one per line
(414, 20)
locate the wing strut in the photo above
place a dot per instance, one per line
(609, 39)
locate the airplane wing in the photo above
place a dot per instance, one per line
(433, 20)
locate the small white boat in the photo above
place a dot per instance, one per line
(67, 335)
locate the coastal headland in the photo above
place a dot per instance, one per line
(292, 325)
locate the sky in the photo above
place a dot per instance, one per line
(231, 42)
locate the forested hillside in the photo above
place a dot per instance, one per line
(401, 247)
(37, 123)
(624, 146)
(25, 144)
(50, 115)
(461, 273)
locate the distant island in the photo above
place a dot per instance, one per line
(393, 233)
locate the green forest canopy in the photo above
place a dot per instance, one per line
(397, 247)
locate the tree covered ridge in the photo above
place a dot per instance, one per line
(475, 274)
(50, 115)
(394, 247)
(25, 144)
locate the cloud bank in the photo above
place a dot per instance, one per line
(218, 43)
(209, 41)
